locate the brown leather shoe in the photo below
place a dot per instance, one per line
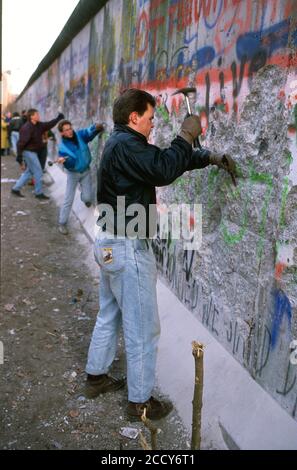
(102, 384)
(155, 409)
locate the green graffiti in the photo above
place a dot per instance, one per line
(288, 157)
(211, 181)
(197, 182)
(266, 179)
(260, 177)
(129, 19)
(285, 193)
(199, 109)
(217, 188)
(234, 193)
(181, 187)
(162, 111)
(180, 183)
(232, 238)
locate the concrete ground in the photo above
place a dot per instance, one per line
(49, 303)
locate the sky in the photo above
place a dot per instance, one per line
(29, 29)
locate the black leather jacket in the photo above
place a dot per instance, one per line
(132, 167)
(15, 124)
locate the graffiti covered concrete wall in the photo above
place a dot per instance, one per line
(241, 56)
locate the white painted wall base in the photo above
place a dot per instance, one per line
(232, 400)
(236, 410)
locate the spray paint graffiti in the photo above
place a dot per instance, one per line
(282, 311)
(256, 353)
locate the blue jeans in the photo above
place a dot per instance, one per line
(33, 169)
(128, 296)
(85, 181)
(14, 138)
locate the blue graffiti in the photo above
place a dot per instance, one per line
(203, 57)
(294, 37)
(199, 59)
(152, 70)
(65, 66)
(270, 39)
(282, 308)
(188, 41)
(212, 25)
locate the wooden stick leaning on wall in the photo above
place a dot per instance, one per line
(197, 351)
(153, 429)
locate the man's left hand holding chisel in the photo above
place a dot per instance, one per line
(223, 160)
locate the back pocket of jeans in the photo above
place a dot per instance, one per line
(111, 256)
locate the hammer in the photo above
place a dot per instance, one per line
(50, 163)
(185, 92)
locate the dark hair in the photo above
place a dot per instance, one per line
(63, 123)
(15, 114)
(30, 113)
(129, 101)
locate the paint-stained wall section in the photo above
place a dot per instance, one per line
(241, 56)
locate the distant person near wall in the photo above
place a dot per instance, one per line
(131, 168)
(75, 155)
(8, 117)
(24, 116)
(4, 136)
(29, 144)
(14, 131)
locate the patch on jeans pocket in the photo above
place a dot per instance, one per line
(107, 255)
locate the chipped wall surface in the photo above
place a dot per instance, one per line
(241, 56)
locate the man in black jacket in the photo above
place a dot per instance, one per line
(130, 170)
(29, 145)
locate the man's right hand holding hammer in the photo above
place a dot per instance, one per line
(191, 129)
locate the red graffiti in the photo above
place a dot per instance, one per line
(279, 268)
(142, 31)
(154, 25)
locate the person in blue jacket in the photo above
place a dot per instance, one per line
(75, 155)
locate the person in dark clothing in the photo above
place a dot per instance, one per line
(130, 169)
(14, 131)
(29, 144)
(42, 154)
(24, 116)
